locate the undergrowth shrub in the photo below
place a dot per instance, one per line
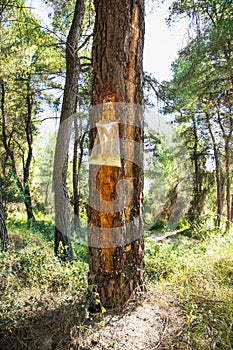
(35, 267)
(34, 283)
(160, 261)
(199, 273)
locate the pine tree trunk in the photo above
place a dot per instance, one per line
(115, 223)
(218, 175)
(23, 184)
(228, 183)
(62, 205)
(231, 208)
(27, 163)
(75, 177)
(3, 229)
(198, 193)
(28, 204)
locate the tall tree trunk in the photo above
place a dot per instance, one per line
(75, 176)
(218, 174)
(232, 208)
(23, 185)
(27, 164)
(3, 229)
(228, 182)
(227, 135)
(79, 141)
(28, 205)
(195, 209)
(115, 223)
(62, 205)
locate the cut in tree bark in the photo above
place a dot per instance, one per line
(115, 223)
(62, 204)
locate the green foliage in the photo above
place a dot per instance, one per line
(170, 175)
(62, 14)
(43, 172)
(38, 292)
(199, 273)
(200, 95)
(42, 233)
(11, 191)
(34, 266)
(34, 284)
(160, 261)
(29, 60)
(43, 228)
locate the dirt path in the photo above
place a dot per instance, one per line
(148, 327)
(157, 237)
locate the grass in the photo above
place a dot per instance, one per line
(40, 298)
(43, 303)
(200, 274)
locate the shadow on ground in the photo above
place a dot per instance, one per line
(69, 326)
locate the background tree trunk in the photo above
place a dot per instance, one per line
(116, 244)
(24, 182)
(75, 174)
(62, 204)
(27, 163)
(3, 229)
(228, 183)
(218, 175)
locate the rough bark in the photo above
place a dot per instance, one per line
(115, 224)
(62, 205)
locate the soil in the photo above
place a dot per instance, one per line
(154, 324)
(157, 323)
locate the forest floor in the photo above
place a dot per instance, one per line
(156, 323)
(187, 305)
(153, 324)
(149, 326)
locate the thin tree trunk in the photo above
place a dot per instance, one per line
(115, 223)
(228, 184)
(23, 185)
(77, 164)
(227, 139)
(232, 208)
(195, 210)
(27, 164)
(219, 177)
(62, 205)
(75, 177)
(3, 229)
